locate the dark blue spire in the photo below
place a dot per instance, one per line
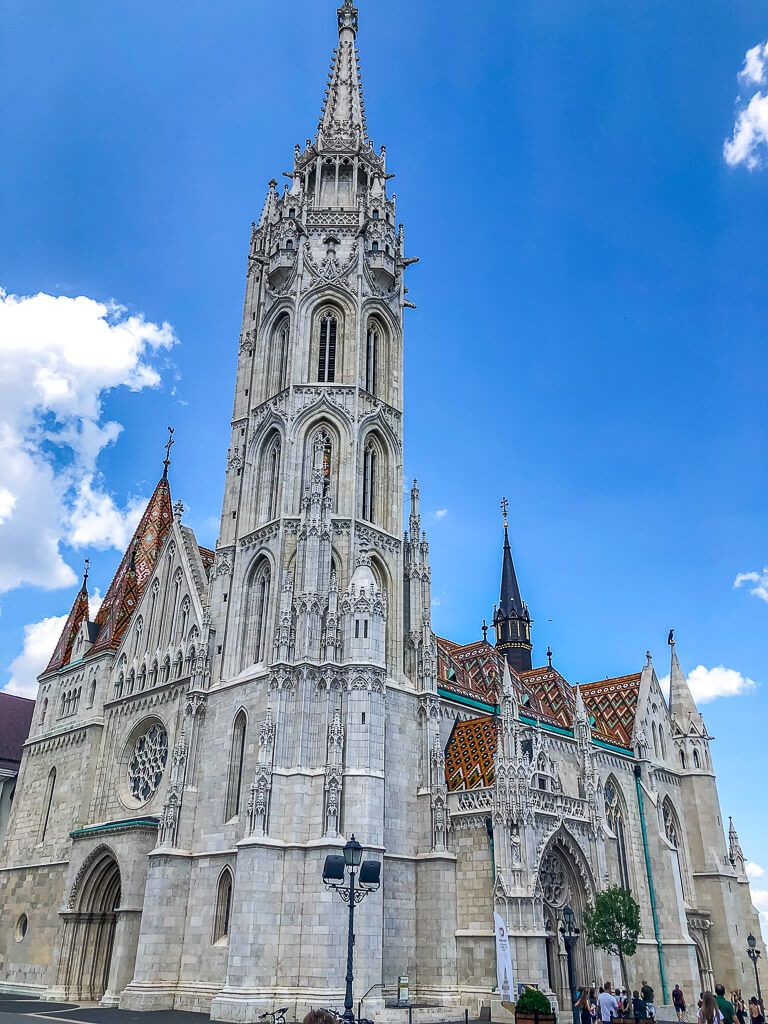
(511, 619)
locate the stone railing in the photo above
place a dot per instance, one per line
(559, 805)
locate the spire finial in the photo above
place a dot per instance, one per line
(168, 445)
(485, 630)
(549, 656)
(649, 657)
(348, 17)
(671, 638)
(505, 511)
(86, 570)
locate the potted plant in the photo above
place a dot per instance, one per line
(533, 1007)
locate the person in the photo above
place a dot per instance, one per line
(582, 1005)
(638, 1007)
(725, 1005)
(593, 1005)
(647, 993)
(678, 1001)
(624, 1002)
(710, 1012)
(756, 1015)
(607, 1004)
(738, 1005)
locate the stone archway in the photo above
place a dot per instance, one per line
(89, 928)
(564, 879)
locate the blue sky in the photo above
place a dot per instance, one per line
(590, 331)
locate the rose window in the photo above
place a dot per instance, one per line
(147, 763)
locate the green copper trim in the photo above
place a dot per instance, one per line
(649, 873)
(614, 747)
(114, 826)
(559, 729)
(490, 709)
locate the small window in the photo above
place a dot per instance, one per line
(21, 927)
(326, 370)
(292, 213)
(289, 244)
(696, 762)
(363, 718)
(376, 214)
(234, 515)
(223, 908)
(374, 247)
(365, 628)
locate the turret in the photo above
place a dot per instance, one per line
(364, 615)
(511, 618)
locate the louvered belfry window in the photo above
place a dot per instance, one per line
(326, 371)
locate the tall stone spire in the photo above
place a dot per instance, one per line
(343, 115)
(682, 706)
(511, 619)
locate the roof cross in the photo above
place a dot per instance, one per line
(504, 509)
(168, 445)
(86, 569)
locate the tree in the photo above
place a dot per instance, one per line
(613, 924)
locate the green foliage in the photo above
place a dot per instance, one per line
(613, 923)
(532, 1000)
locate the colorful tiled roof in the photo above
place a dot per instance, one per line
(613, 704)
(208, 557)
(470, 752)
(556, 698)
(134, 571)
(470, 670)
(78, 614)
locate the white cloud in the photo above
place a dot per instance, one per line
(441, 513)
(760, 581)
(40, 639)
(760, 901)
(748, 144)
(754, 870)
(59, 358)
(708, 684)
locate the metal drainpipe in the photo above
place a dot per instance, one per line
(489, 831)
(649, 873)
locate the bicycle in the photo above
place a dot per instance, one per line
(274, 1016)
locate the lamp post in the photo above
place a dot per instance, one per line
(754, 955)
(368, 876)
(570, 934)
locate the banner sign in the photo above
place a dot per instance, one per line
(503, 961)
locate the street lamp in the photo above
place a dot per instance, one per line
(369, 880)
(754, 955)
(570, 934)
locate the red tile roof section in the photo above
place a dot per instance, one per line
(77, 615)
(470, 752)
(134, 570)
(613, 703)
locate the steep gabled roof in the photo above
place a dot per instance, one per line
(15, 720)
(470, 752)
(613, 705)
(470, 670)
(131, 577)
(77, 615)
(556, 698)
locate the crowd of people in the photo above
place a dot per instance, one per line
(605, 1006)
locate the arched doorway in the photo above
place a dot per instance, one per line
(563, 880)
(90, 928)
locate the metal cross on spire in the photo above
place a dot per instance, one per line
(168, 445)
(504, 510)
(86, 569)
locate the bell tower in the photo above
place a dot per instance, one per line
(314, 468)
(511, 618)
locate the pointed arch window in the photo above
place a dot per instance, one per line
(165, 673)
(696, 761)
(615, 816)
(370, 469)
(47, 804)
(223, 908)
(326, 368)
(44, 713)
(236, 760)
(178, 666)
(672, 832)
(143, 678)
(183, 620)
(119, 685)
(278, 358)
(257, 613)
(153, 599)
(131, 681)
(91, 692)
(137, 635)
(371, 357)
(683, 762)
(271, 477)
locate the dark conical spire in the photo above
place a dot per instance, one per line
(511, 619)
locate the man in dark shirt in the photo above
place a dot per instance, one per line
(647, 994)
(725, 1006)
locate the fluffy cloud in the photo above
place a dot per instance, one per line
(59, 357)
(748, 144)
(40, 639)
(759, 581)
(441, 513)
(754, 870)
(708, 684)
(760, 901)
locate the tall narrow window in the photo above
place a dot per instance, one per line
(137, 636)
(272, 477)
(371, 346)
(326, 369)
(369, 482)
(236, 758)
(183, 620)
(91, 692)
(257, 614)
(223, 908)
(614, 815)
(696, 762)
(47, 804)
(45, 712)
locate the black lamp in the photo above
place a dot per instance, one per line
(353, 853)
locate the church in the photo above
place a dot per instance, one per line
(230, 717)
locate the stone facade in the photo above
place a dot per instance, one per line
(231, 717)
